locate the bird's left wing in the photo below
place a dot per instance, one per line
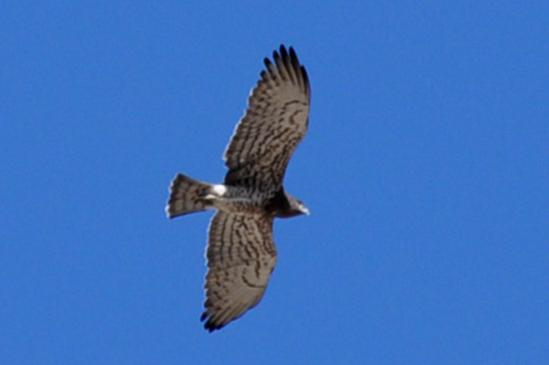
(241, 256)
(274, 123)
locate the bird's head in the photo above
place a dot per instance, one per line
(301, 208)
(295, 207)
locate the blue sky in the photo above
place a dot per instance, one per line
(425, 169)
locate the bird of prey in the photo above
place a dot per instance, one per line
(241, 254)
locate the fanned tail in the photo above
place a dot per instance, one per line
(187, 196)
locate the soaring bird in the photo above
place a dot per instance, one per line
(241, 253)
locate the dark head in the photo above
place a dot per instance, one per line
(291, 207)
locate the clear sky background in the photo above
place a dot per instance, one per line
(426, 170)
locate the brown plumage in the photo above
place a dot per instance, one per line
(241, 254)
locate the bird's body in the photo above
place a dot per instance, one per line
(241, 254)
(236, 199)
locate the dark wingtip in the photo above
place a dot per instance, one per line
(306, 80)
(286, 58)
(209, 325)
(293, 58)
(276, 57)
(287, 63)
(292, 52)
(283, 52)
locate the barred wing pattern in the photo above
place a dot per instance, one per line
(241, 256)
(275, 122)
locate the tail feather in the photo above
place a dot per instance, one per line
(187, 196)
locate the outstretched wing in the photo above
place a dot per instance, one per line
(241, 256)
(274, 123)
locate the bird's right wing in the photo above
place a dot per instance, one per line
(241, 256)
(274, 123)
